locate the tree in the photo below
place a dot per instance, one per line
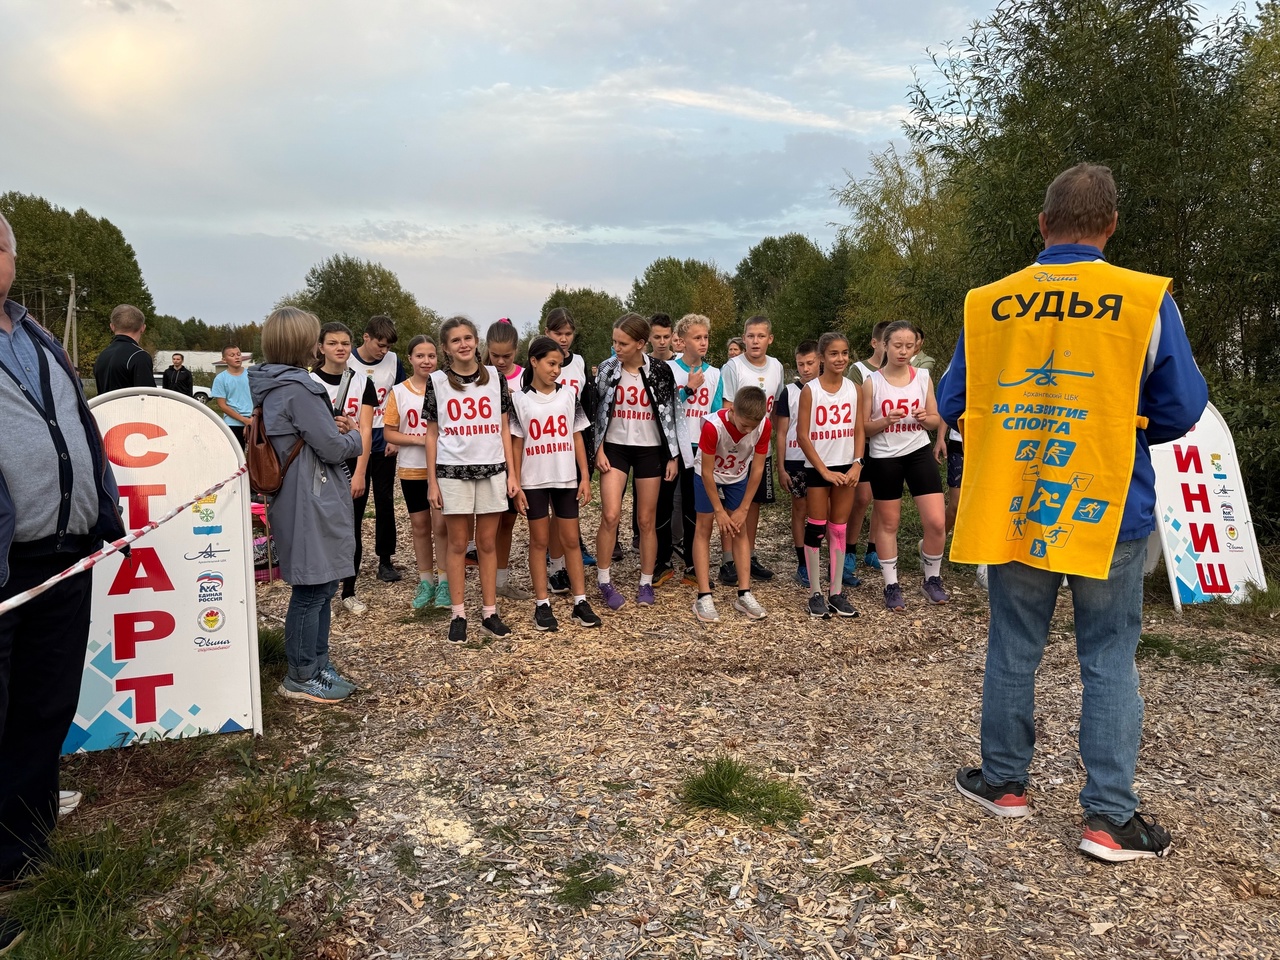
(594, 312)
(351, 290)
(53, 244)
(676, 287)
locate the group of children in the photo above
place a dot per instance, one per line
(482, 440)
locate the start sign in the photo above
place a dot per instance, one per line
(1202, 516)
(173, 643)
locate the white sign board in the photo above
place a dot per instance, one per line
(1204, 526)
(173, 643)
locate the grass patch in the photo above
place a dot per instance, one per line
(1269, 670)
(732, 786)
(402, 854)
(1164, 645)
(584, 881)
(271, 647)
(260, 803)
(883, 886)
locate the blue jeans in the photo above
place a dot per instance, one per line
(1108, 623)
(306, 629)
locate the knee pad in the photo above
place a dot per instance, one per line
(813, 533)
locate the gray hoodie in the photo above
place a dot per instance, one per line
(311, 517)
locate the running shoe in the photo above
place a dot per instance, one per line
(1002, 799)
(982, 576)
(587, 559)
(663, 575)
(729, 574)
(458, 630)
(689, 579)
(443, 600)
(1136, 840)
(801, 576)
(612, 598)
(68, 800)
(617, 553)
(472, 560)
(513, 591)
(584, 616)
(544, 619)
(318, 690)
(644, 596)
(893, 598)
(558, 582)
(749, 606)
(494, 627)
(387, 572)
(760, 572)
(849, 578)
(818, 607)
(426, 595)
(934, 592)
(705, 610)
(838, 605)
(354, 606)
(337, 680)
(872, 560)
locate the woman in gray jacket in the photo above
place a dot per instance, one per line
(311, 518)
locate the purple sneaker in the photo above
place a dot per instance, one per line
(612, 598)
(934, 592)
(645, 595)
(893, 598)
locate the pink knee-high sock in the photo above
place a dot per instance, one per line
(813, 531)
(836, 545)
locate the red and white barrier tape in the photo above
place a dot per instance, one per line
(88, 562)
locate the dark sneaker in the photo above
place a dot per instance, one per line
(818, 607)
(387, 573)
(802, 576)
(558, 582)
(544, 619)
(644, 596)
(849, 578)
(1136, 840)
(1002, 799)
(837, 604)
(587, 559)
(612, 598)
(729, 574)
(662, 575)
(494, 627)
(689, 579)
(617, 553)
(934, 592)
(458, 630)
(471, 559)
(893, 598)
(584, 616)
(872, 560)
(760, 572)
(318, 690)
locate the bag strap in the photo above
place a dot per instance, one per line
(344, 387)
(293, 455)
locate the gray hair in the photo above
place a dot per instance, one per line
(13, 241)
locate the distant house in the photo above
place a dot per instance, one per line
(197, 361)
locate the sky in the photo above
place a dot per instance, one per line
(485, 150)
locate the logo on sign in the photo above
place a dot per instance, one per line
(1027, 450)
(207, 531)
(1223, 492)
(1228, 513)
(1047, 502)
(209, 587)
(207, 515)
(1090, 511)
(205, 644)
(1232, 532)
(1215, 462)
(1045, 375)
(212, 619)
(1234, 548)
(209, 554)
(1058, 452)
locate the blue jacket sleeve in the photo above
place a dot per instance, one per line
(951, 388)
(1174, 393)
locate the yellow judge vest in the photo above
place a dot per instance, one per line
(1054, 356)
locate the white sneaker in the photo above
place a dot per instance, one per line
(355, 606)
(705, 610)
(750, 607)
(982, 576)
(68, 800)
(513, 591)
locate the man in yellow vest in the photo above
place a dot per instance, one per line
(1065, 373)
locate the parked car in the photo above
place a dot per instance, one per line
(199, 393)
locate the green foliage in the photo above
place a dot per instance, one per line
(1186, 650)
(52, 243)
(1252, 411)
(585, 880)
(676, 287)
(732, 786)
(594, 312)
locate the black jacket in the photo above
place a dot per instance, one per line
(179, 381)
(122, 364)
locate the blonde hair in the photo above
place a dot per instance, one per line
(289, 336)
(691, 320)
(445, 329)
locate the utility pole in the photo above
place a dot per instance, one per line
(69, 339)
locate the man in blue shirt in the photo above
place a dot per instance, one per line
(1080, 215)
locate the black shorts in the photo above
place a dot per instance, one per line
(955, 463)
(814, 479)
(795, 469)
(867, 468)
(645, 462)
(416, 498)
(764, 492)
(564, 500)
(917, 469)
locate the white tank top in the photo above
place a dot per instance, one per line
(733, 457)
(470, 421)
(695, 406)
(413, 423)
(908, 434)
(383, 375)
(355, 393)
(573, 374)
(547, 421)
(793, 451)
(633, 423)
(832, 419)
